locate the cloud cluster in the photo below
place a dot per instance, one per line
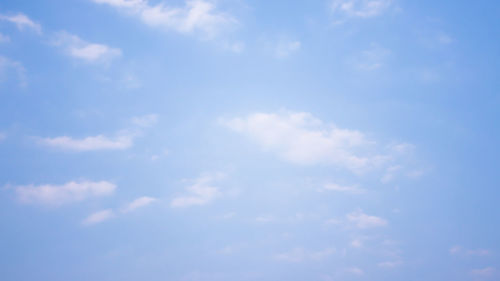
(364, 221)
(359, 8)
(197, 16)
(22, 22)
(56, 195)
(99, 142)
(300, 138)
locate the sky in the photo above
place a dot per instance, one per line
(222, 140)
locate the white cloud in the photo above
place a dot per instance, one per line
(99, 142)
(285, 49)
(10, 67)
(4, 38)
(22, 22)
(355, 271)
(197, 16)
(459, 250)
(370, 59)
(300, 138)
(265, 219)
(345, 189)
(82, 50)
(56, 195)
(139, 203)
(483, 272)
(300, 255)
(202, 192)
(363, 221)
(390, 264)
(390, 173)
(145, 121)
(359, 8)
(99, 217)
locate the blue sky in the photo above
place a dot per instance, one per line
(330, 140)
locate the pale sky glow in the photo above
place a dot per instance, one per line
(235, 140)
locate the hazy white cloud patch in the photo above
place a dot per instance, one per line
(364, 221)
(22, 22)
(57, 195)
(301, 255)
(145, 121)
(2, 136)
(85, 51)
(196, 16)
(98, 217)
(300, 138)
(139, 203)
(461, 251)
(390, 264)
(99, 142)
(285, 49)
(370, 59)
(201, 192)
(345, 9)
(483, 272)
(4, 38)
(343, 188)
(355, 271)
(10, 68)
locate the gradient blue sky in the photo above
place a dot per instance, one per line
(330, 140)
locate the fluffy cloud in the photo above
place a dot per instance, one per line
(299, 255)
(359, 8)
(363, 221)
(89, 143)
(300, 138)
(9, 68)
(139, 203)
(22, 22)
(85, 51)
(285, 49)
(345, 189)
(200, 193)
(197, 16)
(99, 217)
(56, 195)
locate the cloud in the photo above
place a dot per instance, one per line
(370, 59)
(57, 195)
(345, 189)
(355, 271)
(82, 50)
(359, 8)
(10, 67)
(459, 250)
(22, 22)
(197, 16)
(2, 136)
(99, 217)
(363, 221)
(145, 121)
(285, 49)
(390, 264)
(99, 142)
(300, 138)
(300, 255)
(139, 203)
(483, 272)
(4, 38)
(200, 193)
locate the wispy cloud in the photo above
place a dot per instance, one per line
(2, 136)
(145, 121)
(201, 192)
(4, 38)
(355, 271)
(370, 59)
(139, 203)
(99, 142)
(286, 48)
(364, 221)
(300, 255)
(343, 9)
(344, 189)
(57, 195)
(85, 51)
(390, 264)
(10, 67)
(22, 22)
(459, 250)
(196, 16)
(301, 138)
(483, 272)
(99, 217)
